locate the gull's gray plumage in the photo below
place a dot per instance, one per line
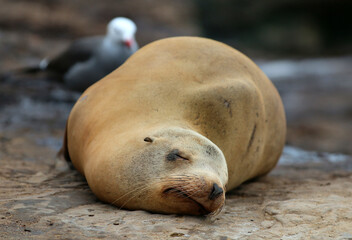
(88, 60)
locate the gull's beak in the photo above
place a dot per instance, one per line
(128, 43)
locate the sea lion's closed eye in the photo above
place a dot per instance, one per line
(175, 154)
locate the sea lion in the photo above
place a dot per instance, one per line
(180, 122)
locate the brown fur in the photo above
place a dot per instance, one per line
(194, 95)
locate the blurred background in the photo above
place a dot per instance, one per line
(305, 47)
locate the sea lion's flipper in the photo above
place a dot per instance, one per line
(63, 153)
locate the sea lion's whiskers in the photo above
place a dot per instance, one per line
(196, 192)
(130, 192)
(182, 190)
(138, 190)
(135, 195)
(215, 213)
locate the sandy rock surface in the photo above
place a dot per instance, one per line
(307, 196)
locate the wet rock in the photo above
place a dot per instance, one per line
(318, 102)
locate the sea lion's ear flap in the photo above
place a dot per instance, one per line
(148, 139)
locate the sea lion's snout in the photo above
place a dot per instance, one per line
(193, 194)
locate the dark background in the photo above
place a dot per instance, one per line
(303, 46)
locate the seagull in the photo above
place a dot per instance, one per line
(89, 59)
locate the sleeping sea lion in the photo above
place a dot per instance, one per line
(182, 121)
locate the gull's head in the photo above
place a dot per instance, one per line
(122, 30)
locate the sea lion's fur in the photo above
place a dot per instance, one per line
(183, 110)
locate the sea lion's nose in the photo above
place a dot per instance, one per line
(215, 192)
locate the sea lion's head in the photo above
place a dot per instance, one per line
(167, 170)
